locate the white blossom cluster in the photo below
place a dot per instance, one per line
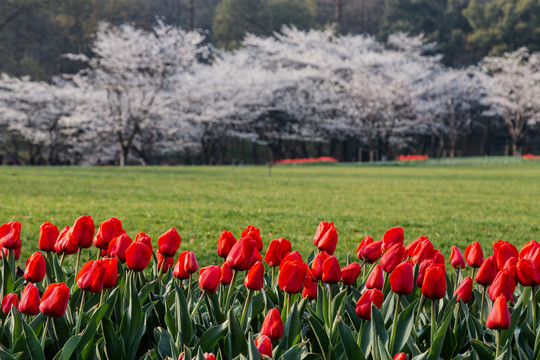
(146, 94)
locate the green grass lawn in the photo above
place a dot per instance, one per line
(453, 203)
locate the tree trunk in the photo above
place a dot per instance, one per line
(124, 156)
(191, 22)
(337, 12)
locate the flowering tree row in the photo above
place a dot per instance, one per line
(145, 94)
(124, 301)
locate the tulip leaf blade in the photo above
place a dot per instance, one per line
(404, 327)
(352, 350)
(440, 335)
(377, 324)
(34, 347)
(184, 324)
(212, 336)
(292, 326)
(253, 351)
(113, 346)
(236, 343)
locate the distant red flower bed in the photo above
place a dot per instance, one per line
(306, 160)
(412, 158)
(530, 157)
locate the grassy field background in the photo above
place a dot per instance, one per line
(451, 202)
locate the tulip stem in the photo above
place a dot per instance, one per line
(456, 316)
(394, 325)
(197, 306)
(420, 306)
(473, 272)
(498, 343)
(533, 300)
(330, 305)
(189, 289)
(12, 263)
(457, 279)
(433, 321)
(244, 312)
(102, 297)
(81, 312)
(78, 260)
(45, 333)
(482, 306)
(62, 260)
(229, 293)
(273, 276)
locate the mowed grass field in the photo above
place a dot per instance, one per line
(452, 205)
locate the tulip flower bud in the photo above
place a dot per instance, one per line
(169, 242)
(255, 277)
(48, 234)
(392, 257)
(317, 264)
(331, 271)
(111, 272)
(326, 237)
(138, 256)
(434, 285)
(503, 284)
(438, 257)
(185, 265)
(474, 255)
(36, 268)
(54, 300)
(253, 232)
(350, 272)
(375, 279)
(310, 286)
(10, 235)
(209, 278)
(108, 230)
(65, 244)
(272, 325)
(241, 254)
(207, 356)
(226, 274)
(363, 306)
(401, 279)
(277, 249)
(464, 290)
(423, 251)
(365, 241)
(372, 252)
(91, 276)
(456, 259)
(499, 317)
(264, 345)
(29, 304)
(503, 252)
(8, 301)
(164, 262)
(400, 356)
(422, 271)
(528, 249)
(82, 232)
(291, 256)
(511, 266)
(118, 247)
(410, 249)
(145, 239)
(527, 273)
(487, 272)
(392, 237)
(291, 276)
(225, 243)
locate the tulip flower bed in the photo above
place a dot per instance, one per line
(396, 300)
(530, 157)
(322, 159)
(412, 158)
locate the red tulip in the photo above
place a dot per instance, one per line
(464, 290)
(118, 247)
(207, 356)
(503, 252)
(392, 257)
(255, 277)
(423, 251)
(5, 253)
(264, 345)
(291, 276)
(504, 283)
(326, 237)
(438, 257)
(48, 233)
(291, 256)
(10, 235)
(169, 242)
(272, 325)
(138, 256)
(372, 252)
(103, 252)
(225, 243)
(226, 274)
(241, 254)
(253, 232)
(277, 249)
(400, 356)
(209, 278)
(375, 279)
(499, 317)
(456, 259)
(65, 244)
(365, 241)
(487, 272)
(35, 268)
(331, 271)
(108, 230)
(527, 273)
(350, 272)
(363, 306)
(498, 244)
(82, 232)
(434, 285)
(185, 265)
(145, 239)
(8, 301)
(317, 264)
(412, 246)
(91, 276)
(535, 258)
(401, 279)
(164, 262)
(54, 300)
(392, 237)
(511, 266)
(528, 249)
(422, 271)
(111, 272)
(29, 304)
(474, 255)
(310, 286)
